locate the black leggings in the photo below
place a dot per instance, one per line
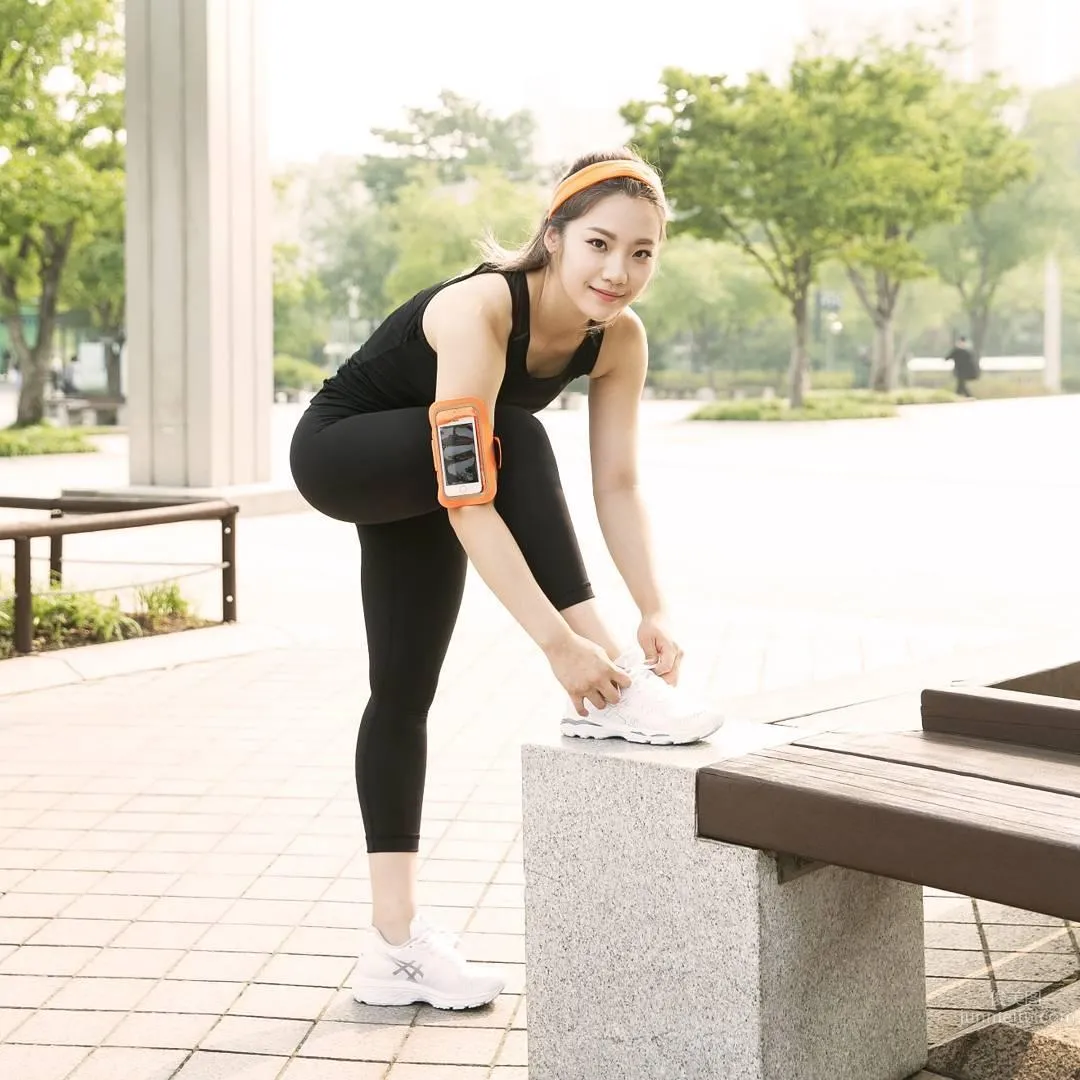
(375, 470)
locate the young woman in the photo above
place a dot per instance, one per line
(426, 440)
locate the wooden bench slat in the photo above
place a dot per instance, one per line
(896, 821)
(1033, 767)
(1007, 715)
(1062, 681)
(914, 789)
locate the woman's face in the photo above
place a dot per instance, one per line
(606, 257)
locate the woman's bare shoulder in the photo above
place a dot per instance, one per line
(483, 299)
(625, 334)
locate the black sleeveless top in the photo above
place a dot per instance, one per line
(395, 368)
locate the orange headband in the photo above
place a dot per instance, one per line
(598, 172)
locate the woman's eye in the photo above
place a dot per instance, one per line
(597, 240)
(646, 252)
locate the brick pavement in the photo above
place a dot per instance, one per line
(181, 861)
(182, 879)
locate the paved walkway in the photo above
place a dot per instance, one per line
(181, 864)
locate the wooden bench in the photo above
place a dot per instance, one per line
(984, 800)
(753, 907)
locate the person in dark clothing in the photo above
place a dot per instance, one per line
(965, 369)
(485, 351)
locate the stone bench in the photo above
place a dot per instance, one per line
(752, 907)
(79, 411)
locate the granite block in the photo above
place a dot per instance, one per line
(653, 955)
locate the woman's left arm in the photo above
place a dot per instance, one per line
(614, 400)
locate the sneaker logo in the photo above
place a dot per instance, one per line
(412, 971)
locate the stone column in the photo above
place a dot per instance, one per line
(199, 307)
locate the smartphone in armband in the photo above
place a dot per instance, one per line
(459, 450)
(465, 452)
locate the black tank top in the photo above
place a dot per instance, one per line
(395, 368)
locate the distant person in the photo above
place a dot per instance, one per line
(427, 441)
(965, 369)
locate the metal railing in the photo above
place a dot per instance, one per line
(105, 514)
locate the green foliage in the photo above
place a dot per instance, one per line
(454, 138)
(764, 166)
(61, 112)
(824, 405)
(815, 406)
(1007, 213)
(161, 605)
(301, 305)
(429, 233)
(351, 249)
(909, 178)
(293, 374)
(94, 277)
(849, 159)
(708, 301)
(61, 619)
(435, 229)
(1052, 130)
(43, 439)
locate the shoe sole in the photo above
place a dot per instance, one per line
(395, 994)
(579, 728)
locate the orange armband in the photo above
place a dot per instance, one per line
(466, 452)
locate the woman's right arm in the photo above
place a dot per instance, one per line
(468, 326)
(463, 326)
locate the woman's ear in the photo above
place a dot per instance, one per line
(552, 239)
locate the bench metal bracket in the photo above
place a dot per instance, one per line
(790, 867)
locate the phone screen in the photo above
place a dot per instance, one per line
(459, 453)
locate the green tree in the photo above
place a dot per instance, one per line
(1009, 210)
(94, 279)
(355, 256)
(301, 310)
(1052, 129)
(907, 178)
(707, 299)
(61, 112)
(456, 136)
(763, 166)
(435, 228)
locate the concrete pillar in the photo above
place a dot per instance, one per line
(1052, 324)
(199, 308)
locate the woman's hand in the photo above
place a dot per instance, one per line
(660, 648)
(586, 672)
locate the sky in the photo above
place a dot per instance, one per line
(337, 68)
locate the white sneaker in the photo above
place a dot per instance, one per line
(428, 967)
(649, 711)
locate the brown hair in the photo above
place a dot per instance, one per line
(533, 254)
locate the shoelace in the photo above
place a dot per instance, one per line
(660, 692)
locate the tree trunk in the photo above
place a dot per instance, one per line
(35, 370)
(112, 365)
(876, 374)
(885, 354)
(799, 369)
(881, 307)
(979, 314)
(35, 374)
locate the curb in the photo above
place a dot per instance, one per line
(64, 667)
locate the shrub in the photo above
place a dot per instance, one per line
(293, 374)
(63, 620)
(44, 439)
(823, 406)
